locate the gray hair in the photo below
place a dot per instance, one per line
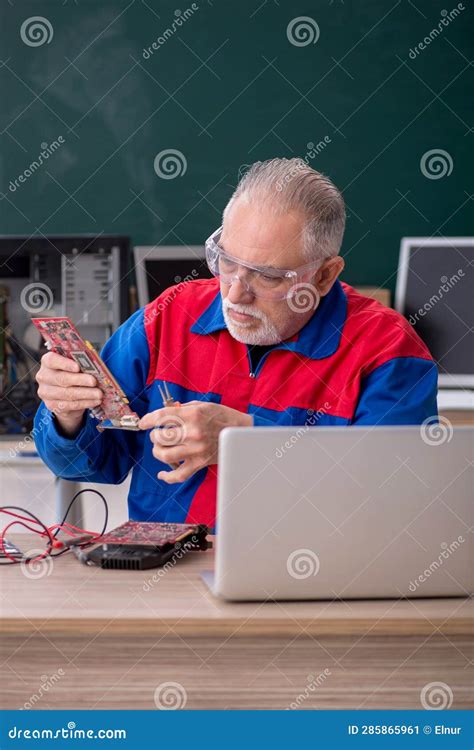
(285, 185)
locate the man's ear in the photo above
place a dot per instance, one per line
(328, 273)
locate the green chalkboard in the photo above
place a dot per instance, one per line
(225, 84)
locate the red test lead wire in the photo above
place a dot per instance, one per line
(75, 533)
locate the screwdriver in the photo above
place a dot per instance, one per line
(168, 400)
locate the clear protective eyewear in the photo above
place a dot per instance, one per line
(261, 281)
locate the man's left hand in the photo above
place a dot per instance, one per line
(188, 435)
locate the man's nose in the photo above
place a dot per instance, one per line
(238, 293)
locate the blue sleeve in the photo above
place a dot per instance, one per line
(400, 392)
(107, 456)
(259, 421)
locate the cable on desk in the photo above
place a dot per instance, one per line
(46, 532)
(84, 531)
(51, 532)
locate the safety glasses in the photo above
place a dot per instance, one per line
(261, 281)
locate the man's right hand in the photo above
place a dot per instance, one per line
(66, 390)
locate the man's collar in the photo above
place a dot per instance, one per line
(318, 338)
(212, 319)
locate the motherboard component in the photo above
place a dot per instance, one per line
(62, 337)
(139, 545)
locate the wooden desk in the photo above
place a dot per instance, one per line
(118, 635)
(459, 417)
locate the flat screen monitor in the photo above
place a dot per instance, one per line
(435, 292)
(159, 267)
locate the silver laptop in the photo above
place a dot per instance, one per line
(351, 512)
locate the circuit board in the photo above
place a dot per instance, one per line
(62, 337)
(149, 533)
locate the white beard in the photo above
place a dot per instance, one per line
(265, 334)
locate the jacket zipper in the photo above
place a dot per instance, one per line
(253, 374)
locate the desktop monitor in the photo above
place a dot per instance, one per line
(435, 293)
(159, 267)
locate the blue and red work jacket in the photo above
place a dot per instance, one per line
(355, 362)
